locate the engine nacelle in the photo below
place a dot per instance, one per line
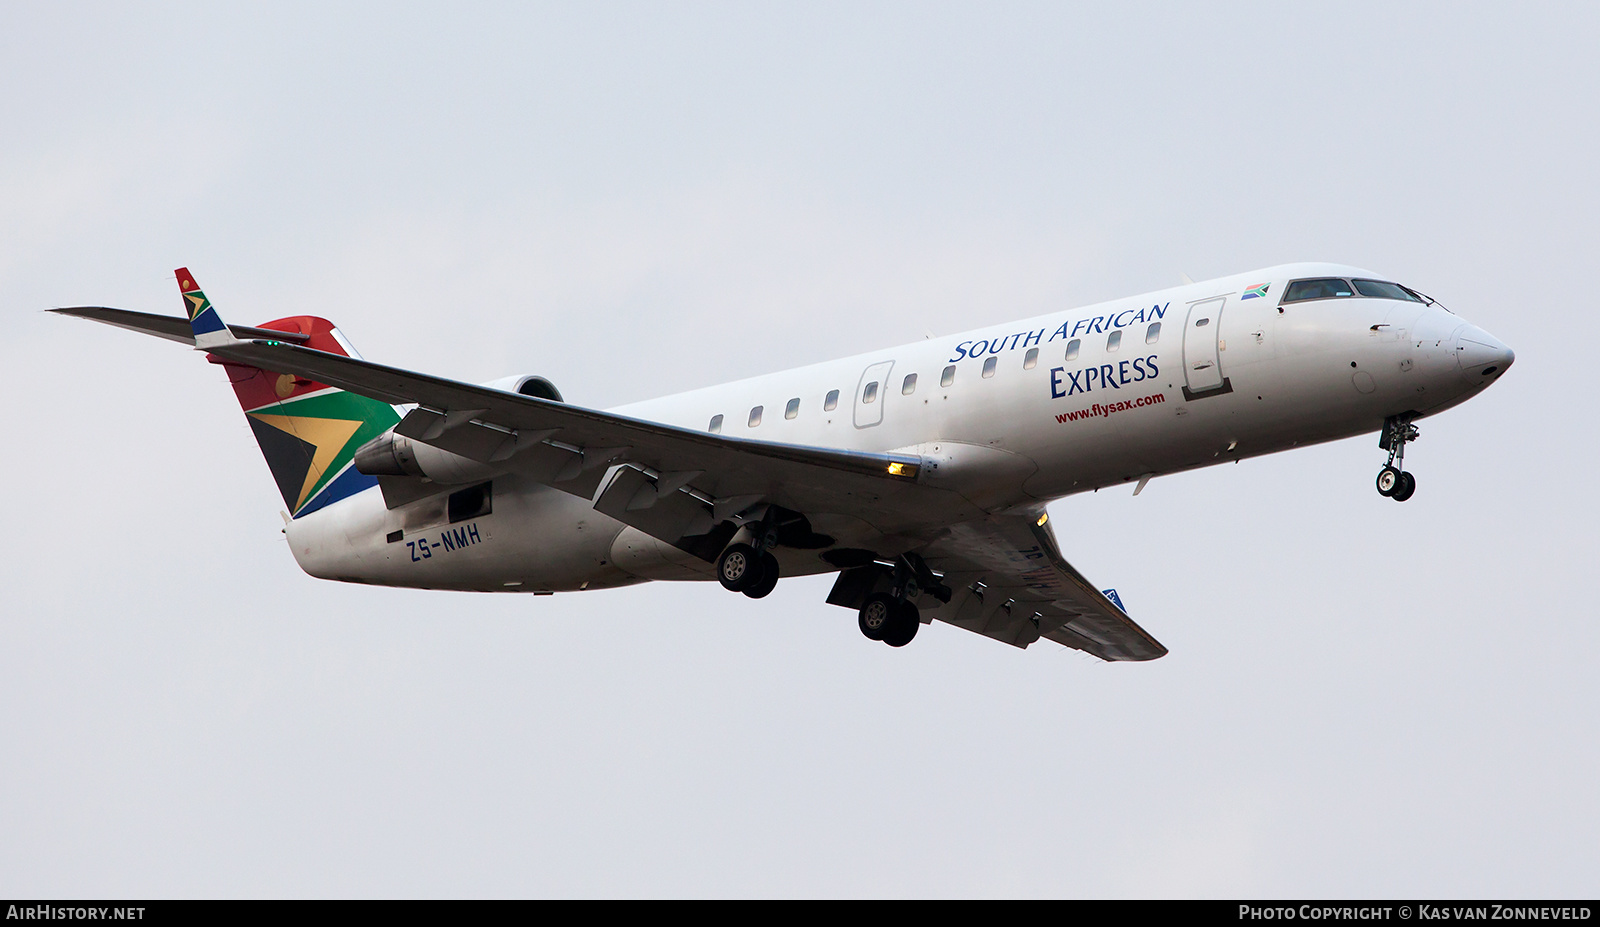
(537, 387)
(390, 454)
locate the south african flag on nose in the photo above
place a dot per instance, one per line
(1251, 292)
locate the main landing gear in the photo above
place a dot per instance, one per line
(750, 568)
(889, 616)
(742, 568)
(1393, 480)
(883, 590)
(885, 618)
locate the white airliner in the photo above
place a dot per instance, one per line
(919, 474)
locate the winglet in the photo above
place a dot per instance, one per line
(209, 330)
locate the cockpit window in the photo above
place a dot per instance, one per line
(1320, 288)
(1380, 290)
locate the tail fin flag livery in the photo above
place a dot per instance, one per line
(203, 318)
(307, 431)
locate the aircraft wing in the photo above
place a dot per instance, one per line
(1008, 578)
(1011, 583)
(676, 483)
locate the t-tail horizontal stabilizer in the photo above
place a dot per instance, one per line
(308, 431)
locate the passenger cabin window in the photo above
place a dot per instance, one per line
(1321, 288)
(949, 376)
(792, 409)
(989, 365)
(1377, 289)
(1073, 347)
(1153, 333)
(1031, 359)
(755, 416)
(716, 425)
(870, 394)
(909, 386)
(1114, 340)
(831, 402)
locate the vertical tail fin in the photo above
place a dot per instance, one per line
(307, 431)
(203, 318)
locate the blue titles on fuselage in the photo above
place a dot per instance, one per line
(449, 539)
(1090, 326)
(1064, 382)
(984, 346)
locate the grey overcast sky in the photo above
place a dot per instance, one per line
(1362, 698)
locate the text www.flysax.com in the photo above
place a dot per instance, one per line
(1101, 411)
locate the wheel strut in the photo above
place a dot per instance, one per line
(1393, 480)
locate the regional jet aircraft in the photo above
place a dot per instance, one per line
(918, 474)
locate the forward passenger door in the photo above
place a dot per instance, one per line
(870, 394)
(1202, 361)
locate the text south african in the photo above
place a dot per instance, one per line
(1101, 323)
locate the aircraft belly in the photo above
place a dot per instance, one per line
(534, 539)
(647, 557)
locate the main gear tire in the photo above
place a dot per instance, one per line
(768, 580)
(876, 614)
(739, 567)
(903, 627)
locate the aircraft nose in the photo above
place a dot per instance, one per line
(1481, 356)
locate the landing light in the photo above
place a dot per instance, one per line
(1044, 517)
(909, 471)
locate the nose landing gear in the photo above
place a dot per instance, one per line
(1396, 484)
(1393, 480)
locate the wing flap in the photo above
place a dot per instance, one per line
(1013, 585)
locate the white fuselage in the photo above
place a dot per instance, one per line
(1223, 378)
